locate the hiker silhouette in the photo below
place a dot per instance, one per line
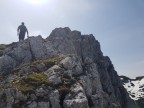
(21, 32)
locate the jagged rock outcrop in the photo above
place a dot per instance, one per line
(65, 70)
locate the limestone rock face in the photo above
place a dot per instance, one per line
(65, 70)
(54, 99)
(77, 99)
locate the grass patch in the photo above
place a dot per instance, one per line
(36, 79)
(49, 63)
(28, 83)
(2, 47)
(24, 88)
(1, 88)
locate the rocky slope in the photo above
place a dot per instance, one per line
(65, 70)
(135, 88)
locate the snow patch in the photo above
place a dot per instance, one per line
(135, 88)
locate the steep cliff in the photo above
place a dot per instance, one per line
(65, 70)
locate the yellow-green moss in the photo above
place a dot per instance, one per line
(23, 87)
(36, 79)
(2, 46)
(29, 82)
(1, 88)
(49, 63)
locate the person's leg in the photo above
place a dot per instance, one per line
(21, 36)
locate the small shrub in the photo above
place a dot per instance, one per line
(64, 90)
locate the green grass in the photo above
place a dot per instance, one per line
(36, 79)
(23, 87)
(49, 63)
(1, 88)
(28, 83)
(2, 46)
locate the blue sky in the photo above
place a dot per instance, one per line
(117, 24)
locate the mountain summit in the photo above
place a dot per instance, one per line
(65, 70)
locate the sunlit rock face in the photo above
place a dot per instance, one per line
(65, 70)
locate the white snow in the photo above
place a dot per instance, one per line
(136, 89)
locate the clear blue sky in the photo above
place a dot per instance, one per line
(117, 24)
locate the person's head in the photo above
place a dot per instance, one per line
(22, 23)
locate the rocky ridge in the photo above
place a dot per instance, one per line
(65, 70)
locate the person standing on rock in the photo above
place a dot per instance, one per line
(21, 32)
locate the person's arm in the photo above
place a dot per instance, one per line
(27, 32)
(18, 30)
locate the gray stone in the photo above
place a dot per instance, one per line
(32, 105)
(7, 64)
(77, 99)
(72, 63)
(55, 79)
(54, 99)
(40, 92)
(43, 105)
